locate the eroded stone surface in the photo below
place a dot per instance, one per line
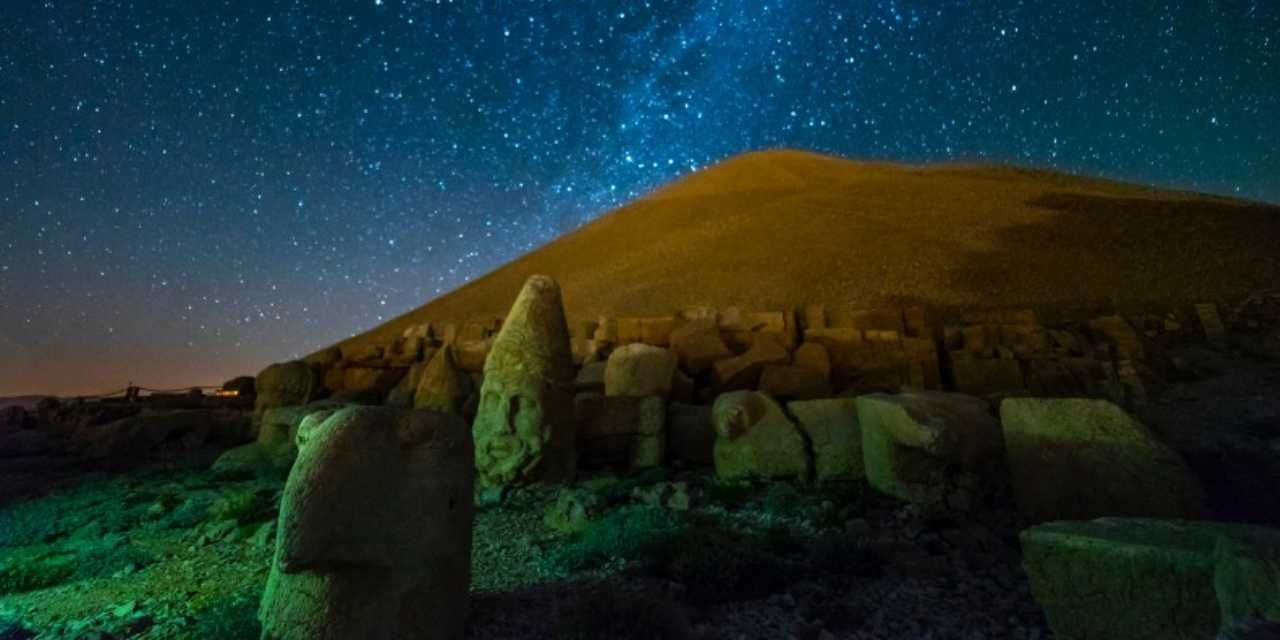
(1148, 579)
(374, 533)
(831, 424)
(755, 439)
(524, 427)
(1075, 458)
(931, 447)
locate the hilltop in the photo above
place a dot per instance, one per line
(781, 229)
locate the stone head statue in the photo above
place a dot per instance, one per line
(524, 429)
(374, 532)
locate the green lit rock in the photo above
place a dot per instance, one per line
(1076, 459)
(524, 427)
(1136, 578)
(274, 451)
(374, 533)
(832, 427)
(930, 447)
(1247, 575)
(756, 439)
(37, 569)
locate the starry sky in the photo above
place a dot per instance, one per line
(190, 190)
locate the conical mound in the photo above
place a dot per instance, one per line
(783, 229)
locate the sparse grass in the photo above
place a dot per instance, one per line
(28, 571)
(619, 491)
(194, 510)
(631, 532)
(230, 618)
(246, 506)
(44, 566)
(108, 556)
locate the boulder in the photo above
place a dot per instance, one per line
(791, 382)
(698, 345)
(742, 328)
(1246, 575)
(273, 453)
(690, 436)
(639, 370)
(401, 397)
(471, 355)
(374, 533)
(524, 426)
(931, 448)
(1145, 578)
(649, 446)
(831, 426)
(324, 358)
(443, 386)
(615, 430)
(160, 434)
(1124, 339)
(606, 426)
(591, 377)
(285, 384)
(585, 350)
(986, 376)
(814, 356)
(743, 372)
(1076, 459)
(654, 331)
(755, 439)
(372, 383)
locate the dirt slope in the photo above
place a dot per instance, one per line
(779, 229)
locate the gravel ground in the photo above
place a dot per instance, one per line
(940, 578)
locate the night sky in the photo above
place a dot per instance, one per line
(190, 190)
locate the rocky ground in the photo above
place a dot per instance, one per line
(182, 554)
(173, 551)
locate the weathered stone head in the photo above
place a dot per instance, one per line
(524, 426)
(374, 534)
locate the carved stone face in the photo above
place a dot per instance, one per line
(511, 432)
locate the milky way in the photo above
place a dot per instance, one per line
(191, 190)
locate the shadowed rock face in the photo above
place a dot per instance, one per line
(443, 387)
(284, 384)
(374, 535)
(524, 427)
